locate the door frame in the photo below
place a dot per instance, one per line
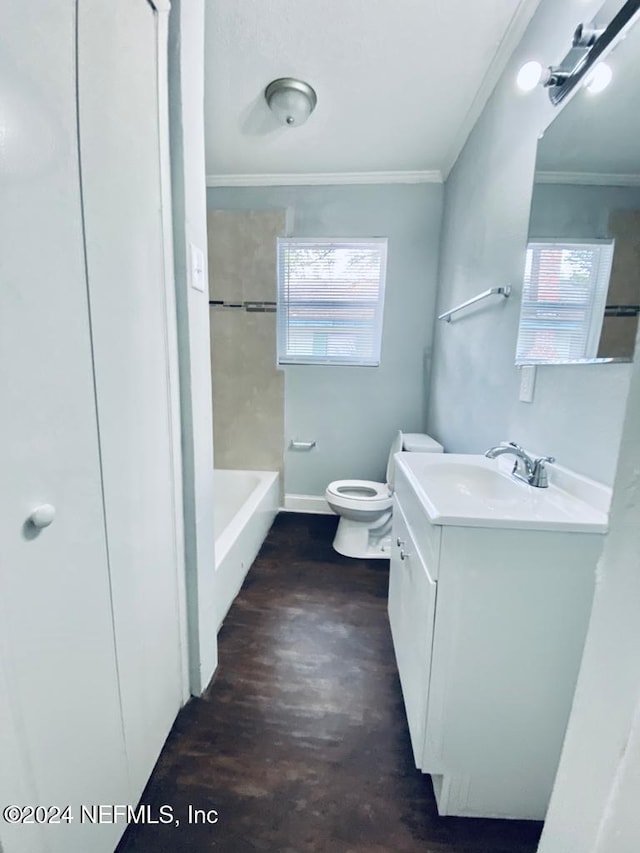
(161, 12)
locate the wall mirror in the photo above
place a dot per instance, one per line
(581, 291)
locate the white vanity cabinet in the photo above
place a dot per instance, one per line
(488, 627)
(412, 600)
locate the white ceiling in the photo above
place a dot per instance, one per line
(399, 82)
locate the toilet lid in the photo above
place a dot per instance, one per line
(396, 447)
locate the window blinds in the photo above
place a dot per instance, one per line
(563, 300)
(330, 300)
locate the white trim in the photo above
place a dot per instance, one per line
(160, 5)
(171, 334)
(511, 39)
(307, 503)
(324, 179)
(595, 179)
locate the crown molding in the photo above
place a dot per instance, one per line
(310, 179)
(513, 36)
(594, 179)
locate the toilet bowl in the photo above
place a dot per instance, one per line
(365, 506)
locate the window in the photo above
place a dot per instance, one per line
(330, 300)
(563, 300)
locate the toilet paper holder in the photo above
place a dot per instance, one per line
(302, 445)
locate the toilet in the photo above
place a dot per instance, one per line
(365, 507)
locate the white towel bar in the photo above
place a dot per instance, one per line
(498, 291)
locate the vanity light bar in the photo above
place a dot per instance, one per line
(589, 45)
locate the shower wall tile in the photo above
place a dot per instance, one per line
(624, 227)
(248, 389)
(242, 254)
(225, 272)
(618, 336)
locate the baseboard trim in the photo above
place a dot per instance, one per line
(306, 503)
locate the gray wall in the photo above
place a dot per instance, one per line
(352, 412)
(569, 210)
(578, 409)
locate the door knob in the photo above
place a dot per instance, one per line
(42, 516)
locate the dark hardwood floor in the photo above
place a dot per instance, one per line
(301, 743)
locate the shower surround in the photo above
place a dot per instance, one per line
(248, 389)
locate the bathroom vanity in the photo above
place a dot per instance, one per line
(490, 591)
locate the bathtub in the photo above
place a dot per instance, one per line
(245, 505)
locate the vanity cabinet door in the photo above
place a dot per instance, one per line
(412, 598)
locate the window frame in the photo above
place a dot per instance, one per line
(283, 357)
(595, 307)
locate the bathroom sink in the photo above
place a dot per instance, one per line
(468, 480)
(473, 491)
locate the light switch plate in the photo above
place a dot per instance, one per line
(196, 267)
(527, 383)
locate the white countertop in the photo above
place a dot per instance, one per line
(471, 490)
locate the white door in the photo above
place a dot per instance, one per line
(412, 598)
(133, 326)
(61, 738)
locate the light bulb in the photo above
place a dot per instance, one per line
(529, 76)
(599, 78)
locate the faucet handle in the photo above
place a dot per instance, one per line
(539, 476)
(517, 446)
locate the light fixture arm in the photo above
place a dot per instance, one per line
(585, 36)
(554, 76)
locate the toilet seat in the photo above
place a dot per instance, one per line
(360, 494)
(365, 507)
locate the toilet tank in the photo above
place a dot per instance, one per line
(413, 442)
(418, 442)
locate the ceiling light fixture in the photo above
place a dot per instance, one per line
(599, 78)
(291, 101)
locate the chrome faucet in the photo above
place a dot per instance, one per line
(535, 471)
